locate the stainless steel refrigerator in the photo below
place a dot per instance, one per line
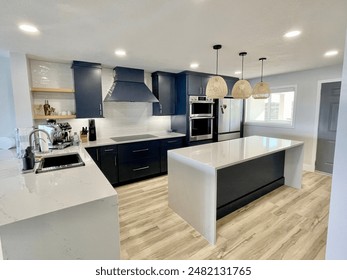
(230, 113)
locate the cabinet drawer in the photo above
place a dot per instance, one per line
(108, 149)
(173, 143)
(141, 168)
(139, 150)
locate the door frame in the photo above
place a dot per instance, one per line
(316, 119)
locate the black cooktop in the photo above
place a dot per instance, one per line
(133, 137)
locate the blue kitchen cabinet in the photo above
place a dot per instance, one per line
(138, 160)
(94, 154)
(109, 163)
(88, 91)
(164, 89)
(129, 162)
(106, 159)
(196, 83)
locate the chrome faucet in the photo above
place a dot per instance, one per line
(36, 145)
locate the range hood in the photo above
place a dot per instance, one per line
(129, 86)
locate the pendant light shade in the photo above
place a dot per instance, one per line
(242, 88)
(261, 90)
(216, 86)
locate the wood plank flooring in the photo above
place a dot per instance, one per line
(284, 224)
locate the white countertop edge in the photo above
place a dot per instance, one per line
(261, 155)
(176, 153)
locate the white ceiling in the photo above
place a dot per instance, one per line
(168, 35)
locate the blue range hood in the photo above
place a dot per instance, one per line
(129, 86)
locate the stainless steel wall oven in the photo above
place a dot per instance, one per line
(200, 118)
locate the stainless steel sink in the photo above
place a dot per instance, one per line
(58, 162)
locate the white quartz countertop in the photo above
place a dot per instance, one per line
(226, 153)
(24, 196)
(109, 141)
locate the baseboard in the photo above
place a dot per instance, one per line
(308, 167)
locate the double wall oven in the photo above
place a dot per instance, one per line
(200, 118)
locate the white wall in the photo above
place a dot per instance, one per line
(337, 229)
(7, 119)
(21, 90)
(306, 110)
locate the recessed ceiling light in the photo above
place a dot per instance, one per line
(238, 72)
(292, 34)
(194, 65)
(120, 53)
(28, 28)
(331, 53)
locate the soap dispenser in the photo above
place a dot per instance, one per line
(28, 159)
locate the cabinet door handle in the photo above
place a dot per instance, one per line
(115, 160)
(108, 150)
(172, 141)
(100, 109)
(141, 168)
(161, 108)
(142, 150)
(97, 154)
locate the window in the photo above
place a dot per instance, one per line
(278, 109)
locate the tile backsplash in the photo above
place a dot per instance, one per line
(122, 118)
(46, 74)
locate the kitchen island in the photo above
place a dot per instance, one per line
(207, 182)
(64, 214)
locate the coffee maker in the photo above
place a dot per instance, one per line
(92, 130)
(60, 134)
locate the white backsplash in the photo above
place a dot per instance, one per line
(46, 74)
(123, 118)
(120, 118)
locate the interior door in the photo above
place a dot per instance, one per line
(328, 113)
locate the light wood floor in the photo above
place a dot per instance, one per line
(285, 224)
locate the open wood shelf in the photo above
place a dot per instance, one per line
(44, 117)
(60, 90)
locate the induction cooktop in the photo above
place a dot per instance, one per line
(133, 137)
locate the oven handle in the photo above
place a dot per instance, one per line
(197, 118)
(204, 102)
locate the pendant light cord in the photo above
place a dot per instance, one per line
(242, 68)
(262, 68)
(217, 64)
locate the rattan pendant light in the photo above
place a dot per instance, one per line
(216, 86)
(242, 89)
(261, 90)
